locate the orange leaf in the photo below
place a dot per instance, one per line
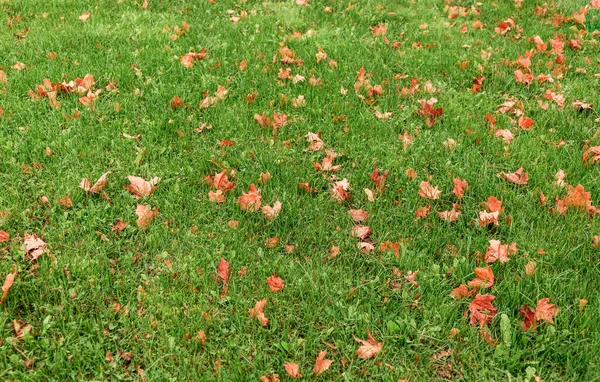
(258, 312)
(275, 283)
(140, 187)
(8, 282)
(223, 270)
(34, 246)
(370, 348)
(292, 370)
(87, 186)
(322, 364)
(145, 215)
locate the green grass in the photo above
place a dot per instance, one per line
(96, 290)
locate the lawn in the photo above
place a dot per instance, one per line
(318, 189)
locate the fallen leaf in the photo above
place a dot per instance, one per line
(34, 246)
(8, 282)
(145, 215)
(292, 370)
(4, 236)
(250, 201)
(322, 364)
(87, 186)
(517, 177)
(272, 212)
(481, 309)
(223, 271)
(140, 187)
(258, 312)
(370, 348)
(275, 283)
(428, 192)
(119, 225)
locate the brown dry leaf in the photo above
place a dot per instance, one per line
(140, 187)
(292, 370)
(145, 215)
(272, 212)
(34, 246)
(223, 271)
(358, 215)
(87, 186)
(21, 328)
(370, 348)
(322, 364)
(258, 312)
(4, 236)
(8, 282)
(119, 225)
(275, 283)
(270, 378)
(517, 177)
(66, 201)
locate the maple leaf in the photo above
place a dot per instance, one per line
(145, 215)
(525, 123)
(270, 378)
(272, 212)
(484, 279)
(258, 312)
(87, 186)
(370, 347)
(411, 276)
(493, 204)
(379, 179)
(379, 30)
(223, 271)
(528, 315)
(451, 215)
(221, 182)
(279, 120)
(428, 192)
(578, 198)
(314, 141)
(250, 201)
(516, 177)
(119, 225)
(362, 232)
(499, 252)
(406, 140)
(487, 218)
(461, 291)
(4, 236)
(66, 201)
(594, 151)
(459, 187)
(545, 311)
(341, 190)
(34, 246)
(216, 196)
(481, 309)
(176, 102)
(429, 112)
(322, 364)
(326, 165)
(140, 187)
(292, 370)
(275, 283)
(358, 215)
(388, 246)
(8, 282)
